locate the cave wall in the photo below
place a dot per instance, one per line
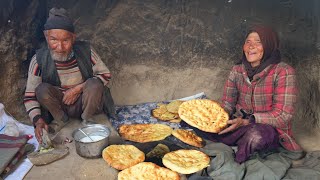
(161, 50)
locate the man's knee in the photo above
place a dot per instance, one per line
(42, 91)
(94, 85)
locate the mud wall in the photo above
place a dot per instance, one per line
(161, 50)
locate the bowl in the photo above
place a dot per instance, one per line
(90, 140)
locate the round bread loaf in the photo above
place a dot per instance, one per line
(186, 161)
(122, 156)
(173, 106)
(188, 137)
(204, 114)
(148, 171)
(144, 132)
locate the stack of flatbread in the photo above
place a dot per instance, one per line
(204, 114)
(144, 132)
(168, 112)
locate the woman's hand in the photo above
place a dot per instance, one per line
(235, 124)
(40, 124)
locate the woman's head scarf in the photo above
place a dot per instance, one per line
(270, 44)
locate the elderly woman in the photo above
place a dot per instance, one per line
(259, 95)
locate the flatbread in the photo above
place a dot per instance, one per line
(204, 114)
(160, 114)
(159, 151)
(122, 156)
(173, 106)
(162, 108)
(177, 120)
(144, 132)
(186, 161)
(188, 137)
(167, 112)
(148, 171)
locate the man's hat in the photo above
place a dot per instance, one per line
(58, 19)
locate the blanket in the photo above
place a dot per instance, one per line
(141, 113)
(24, 165)
(12, 150)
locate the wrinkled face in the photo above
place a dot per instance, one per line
(253, 49)
(59, 43)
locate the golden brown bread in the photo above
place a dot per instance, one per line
(204, 114)
(147, 171)
(168, 112)
(159, 151)
(186, 161)
(173, 106)
(144, 132)
(188, 137)
(176, 120)
(163, 114)
(122, 156)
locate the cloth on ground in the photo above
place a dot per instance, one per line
(308, 169)
(23, 167)
(270, 166)
(141, 113)
(12, 150)
(222, 165)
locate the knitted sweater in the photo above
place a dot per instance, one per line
(69, 75)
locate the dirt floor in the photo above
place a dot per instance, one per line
(74, 166)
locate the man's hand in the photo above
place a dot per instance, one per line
(235, 124)
(71, 95)
(40, 124)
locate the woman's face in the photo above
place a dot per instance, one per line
(253, 49)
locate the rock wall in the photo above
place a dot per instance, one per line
(161, 50)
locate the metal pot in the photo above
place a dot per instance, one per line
(90, 140)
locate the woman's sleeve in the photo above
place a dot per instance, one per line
(284, 98)
(230, 93)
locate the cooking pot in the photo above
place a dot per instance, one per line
(90, 140)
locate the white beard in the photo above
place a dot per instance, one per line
(58, 56)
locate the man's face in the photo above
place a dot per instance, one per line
(60, 43)
(253, 49)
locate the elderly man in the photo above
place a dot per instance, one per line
(66, 78)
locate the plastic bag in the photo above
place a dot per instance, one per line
(7, 124)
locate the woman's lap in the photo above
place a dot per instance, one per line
(249, 139)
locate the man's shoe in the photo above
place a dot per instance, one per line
(55, 126)
(88, 122)
(46, 141)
